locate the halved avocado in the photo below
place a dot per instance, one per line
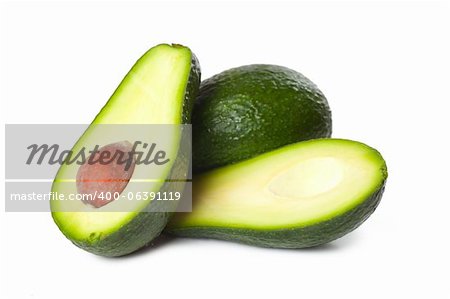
(159, 89)
(301, 195)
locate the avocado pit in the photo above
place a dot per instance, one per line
(106, 172)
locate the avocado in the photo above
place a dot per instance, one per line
(249, 110)
(159, 89)
(301, 195)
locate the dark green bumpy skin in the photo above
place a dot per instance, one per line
(148, 225)
(249, 110)
(296, 237)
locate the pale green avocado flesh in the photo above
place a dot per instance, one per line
(301, 195)
(159, 89)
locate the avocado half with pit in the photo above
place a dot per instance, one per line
(301, 195)
(159, 89)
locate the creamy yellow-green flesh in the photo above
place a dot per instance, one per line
(295, 186)
(151, 93)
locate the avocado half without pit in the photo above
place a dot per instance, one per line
(301, 195)
(159, 89)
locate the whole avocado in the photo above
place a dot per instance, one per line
(249, 110)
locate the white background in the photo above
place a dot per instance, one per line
(384, 67)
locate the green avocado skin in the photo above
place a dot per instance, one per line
(295, 237)
(249, 110)
(148, 224)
